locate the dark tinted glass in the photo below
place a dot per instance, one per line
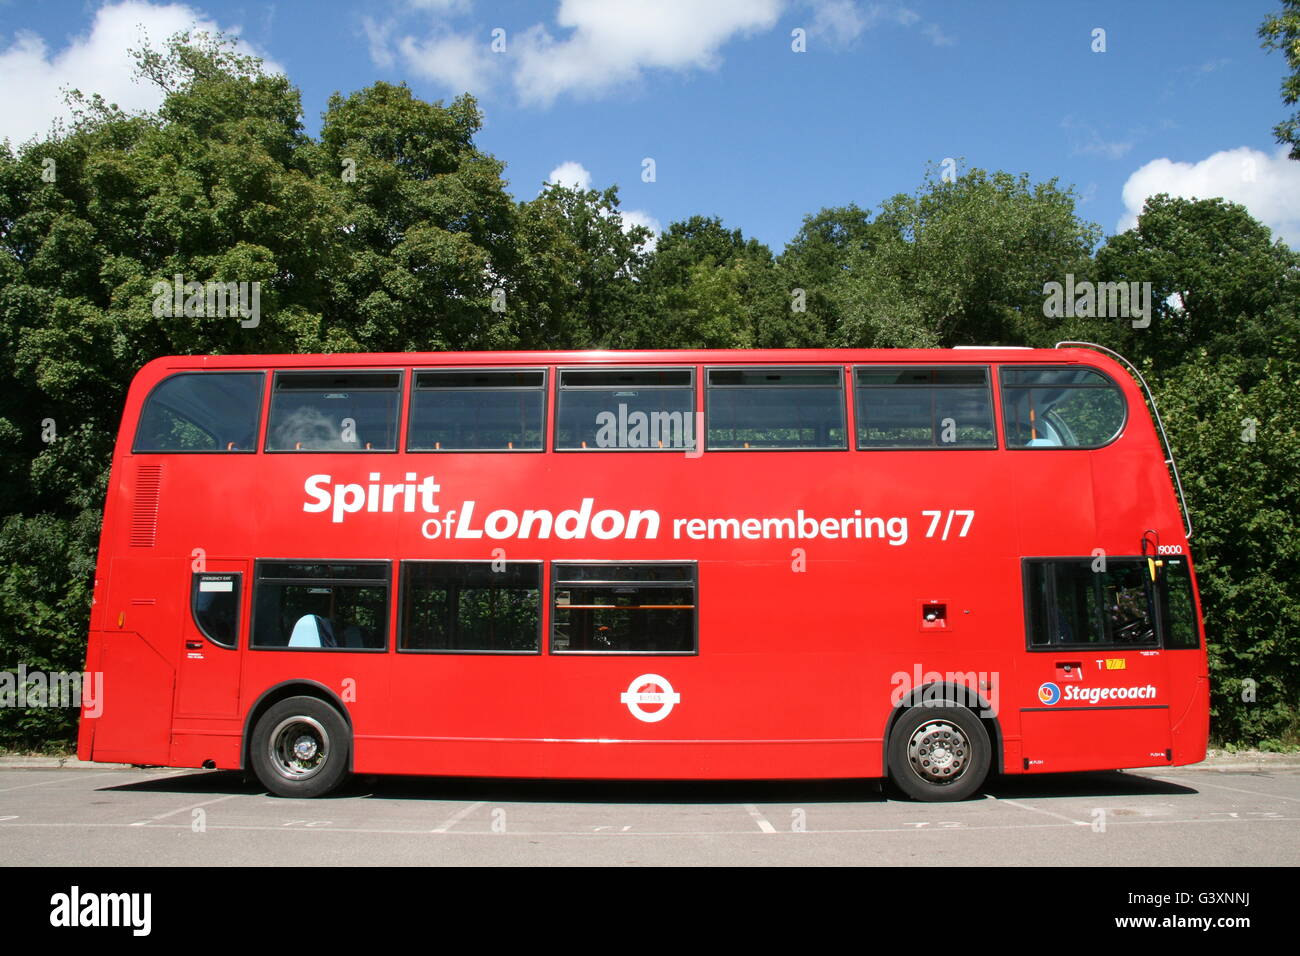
(477, 411)
(1179, 611)
(1077, 601)
(453, 606)
(924, 408)
(627, 615)
(612, 409)
(202, 411)
(320, 606)
(215, 605)
(776, 408)
(1060, 408)
(624, 572)
(327, 411)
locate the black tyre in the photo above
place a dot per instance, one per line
(300, 748)
(938, 752)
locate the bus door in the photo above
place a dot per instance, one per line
(1095, 692)
(213, 626)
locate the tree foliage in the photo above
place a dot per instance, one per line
(1281, 31)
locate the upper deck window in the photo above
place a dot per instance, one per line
(202, 411)
(924, 408)
(625, 410)
(468, 410)
(334, 411)
(776, 408)
(1072, 407)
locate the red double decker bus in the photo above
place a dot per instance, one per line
(920, 564)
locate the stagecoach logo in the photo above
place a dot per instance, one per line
(1048, 692)
(653, 690)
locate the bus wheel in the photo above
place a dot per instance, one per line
(300, 748)
(938, 752)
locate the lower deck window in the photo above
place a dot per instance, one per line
(313, 606)
(624, 608)
(471, 606)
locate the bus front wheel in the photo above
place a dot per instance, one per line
(938, 751)
(300, 748)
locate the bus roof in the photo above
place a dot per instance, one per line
(965, 355)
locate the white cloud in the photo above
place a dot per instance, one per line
(460, 61)
(93, 62)
(611, 43)
(596, 47)
(842, 21)
(570, 174)
(378, 38)
(1268, 186)
(935, 35)
(441, 6)
(1087, 140)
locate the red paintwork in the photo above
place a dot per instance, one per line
(793, 677)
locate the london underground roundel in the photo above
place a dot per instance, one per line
(650, 698)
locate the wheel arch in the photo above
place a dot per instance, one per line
(296, 687)
(953, 693)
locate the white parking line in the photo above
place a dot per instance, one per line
(61, 779)
(1059, 816)
(456, 817)
(762, 821)
(193, 806)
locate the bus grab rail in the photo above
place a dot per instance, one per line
(1164, 439)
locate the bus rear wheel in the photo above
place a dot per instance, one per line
(300, 748)
(938, 752)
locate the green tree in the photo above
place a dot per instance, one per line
(1237, 449)
(814, 261)
(576, 280)
(1281, 31)
(707, 286)
(426, 231)
(962, 262)
(1218, 282)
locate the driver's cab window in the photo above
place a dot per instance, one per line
(1090, 602)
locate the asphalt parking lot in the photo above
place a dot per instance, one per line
(89, 815)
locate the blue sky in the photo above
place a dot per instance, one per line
(741, 126)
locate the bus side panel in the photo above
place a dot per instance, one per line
(1192, 729)
(216, 741)
(135, 723)
(617, 760)
(1096, 739)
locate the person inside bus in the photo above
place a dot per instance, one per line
(312, 630)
